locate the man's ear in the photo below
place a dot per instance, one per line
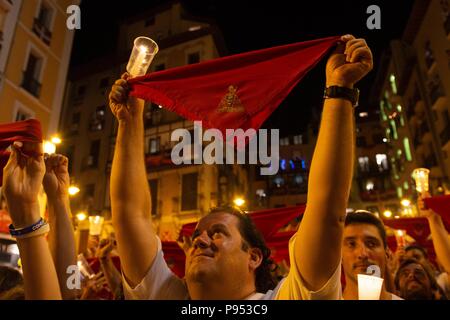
(256, 258)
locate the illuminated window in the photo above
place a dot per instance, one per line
(381, 162)
(407, 149)
(406, 185)
(370, 185)
(402, 121)
(399, 192)
(393, 84)
(383, 114)
(364, 164)
(393, 129)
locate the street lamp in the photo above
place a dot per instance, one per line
(56, 140)
(81, 216)
(73, 190)
(239, 201)
(387, 213)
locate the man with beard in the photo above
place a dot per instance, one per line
(415, 281)
(364, 244)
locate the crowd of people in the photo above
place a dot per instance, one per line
(227, 257)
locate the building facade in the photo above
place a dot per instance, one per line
(180, 194)
(34, 58)
(412, 90)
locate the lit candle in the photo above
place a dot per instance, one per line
(400, 237)
(144, 50)
(420, 176)
(95, 225)
(369, 287)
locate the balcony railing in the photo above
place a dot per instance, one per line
(30, 84)
(42, 31)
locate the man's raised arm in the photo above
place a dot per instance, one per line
(129, 191)
(317, 249)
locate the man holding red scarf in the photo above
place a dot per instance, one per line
(220, 264)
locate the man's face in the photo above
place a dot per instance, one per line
(362, 247)
(415, 254)
(414, 283)
(217, 250)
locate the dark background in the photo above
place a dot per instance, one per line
(251, 25)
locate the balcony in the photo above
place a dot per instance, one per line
(30, 84)
(445, 135)
(42, 31)
(436, 93)
(440, 103)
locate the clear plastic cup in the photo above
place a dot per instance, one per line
(144, 50)
(369, 287)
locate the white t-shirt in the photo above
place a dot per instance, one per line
(160, 283)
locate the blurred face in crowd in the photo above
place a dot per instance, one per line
(219, 253)
(414, 283)
(362, 247)
(416, 254)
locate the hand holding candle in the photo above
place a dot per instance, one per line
(144, 50)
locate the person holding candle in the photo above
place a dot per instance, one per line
(364, 244)
(227, 259)
(441, 240)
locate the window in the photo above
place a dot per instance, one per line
(153, 184)
(407, 149)
(75, 122)
(393, 84)
(361, 142)
(363, 163)
(94, 153)
(284, 141)
(42, 23)
(154, 145)
(429, 57)
(377, 138)
(89, 191)
(81, 91)
(21, 115)
(104, 83)
(149, 22)
(189, 191)
(393, 127)
(160, 67)
(298, 139)
(31, 74)
(97, 120)
(382, 162)
(193, 58)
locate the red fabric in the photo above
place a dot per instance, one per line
(5, 221)
(440, 205)
(25, 131)
(267, 221)
(262, 79)
(417, 228)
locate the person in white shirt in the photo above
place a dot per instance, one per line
(222, 264)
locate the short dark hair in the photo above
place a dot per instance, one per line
(367, 217)
(264, 280)
(429, 272)
(417, 247)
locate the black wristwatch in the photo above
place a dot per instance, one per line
(342, 92)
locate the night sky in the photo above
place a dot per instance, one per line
(251, 25)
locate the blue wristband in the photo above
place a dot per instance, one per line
(29, 229)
